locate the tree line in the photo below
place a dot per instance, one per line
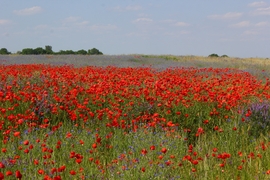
(48, 50)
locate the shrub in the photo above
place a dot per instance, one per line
(213, 55)
(224, 56)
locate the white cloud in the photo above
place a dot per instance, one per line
(181, 24)
(83, 23)
(262, 24)
(241, 24)
(127, 8)
(103, 27)
(249, 32)
(28, 11)
(4, 21)
(262, 11)
(229, 15)
(143, 20)
(257, 4)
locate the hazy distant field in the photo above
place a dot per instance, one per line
(256, 66)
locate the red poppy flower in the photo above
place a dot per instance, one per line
(94, 145)
(16, 134)
(164, 150)
(144, 151)
(1, 176)
(18, 175)
(143, 169)
(4, 150)
(152, 148)
(40, 171)
(9, 173)
(72, 172)
(26, 142)
(2, 165)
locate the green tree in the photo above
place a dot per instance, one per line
(94, 51)
(28, 51)
(48, 49)
(70, 52)
(224, 56)
(4, 51)
(82, 51)
(40, 50)
(213, 55)
(61, 52)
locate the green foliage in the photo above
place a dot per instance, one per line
(40, 50)
(28, 51)
(94, 51)
(65, 52)
(224, 56)
(213, 55)
(4, 51)
(82, 51)
(48, 49)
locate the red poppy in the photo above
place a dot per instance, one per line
(164, 150)
(16, 134)
(2, 165)
(195, 162)
(94, 145)
(72, 172)
(144, 151)
(143, 169)
(1, 176)
(61, 169)
(4, 150)
(152, 148)
(9, 173)
(40, 171)
(18, 174)
(26, 142)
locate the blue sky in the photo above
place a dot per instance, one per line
(180, 27)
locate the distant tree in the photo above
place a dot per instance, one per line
(40, 50)
(70, 52)
(63, 52)
(82, 51)
(224, 56)
(48, 49)
(94, 51)
(4, 51)
(27, 51)
(213, 55)
(60, 52)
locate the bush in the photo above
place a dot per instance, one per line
(213, 55)
(4, 51)
(224, 56)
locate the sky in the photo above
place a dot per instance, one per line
(179, 27)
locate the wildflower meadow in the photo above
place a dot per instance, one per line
(92, 122)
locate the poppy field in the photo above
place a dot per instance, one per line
(66, 122)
